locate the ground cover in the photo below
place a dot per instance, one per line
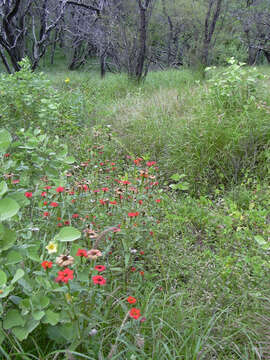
(125, 231)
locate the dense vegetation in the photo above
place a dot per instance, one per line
(168, 181)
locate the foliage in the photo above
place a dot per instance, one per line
(235, 87)
(27, 98)
(106, 253)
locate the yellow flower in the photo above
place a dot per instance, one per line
(52, 247)
(67, 80)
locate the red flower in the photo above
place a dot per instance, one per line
(66, 222)
(46, 213)
(142, 252)
(59, 224)
(60, 189)
(135, 313)
(113, 202)
(81, 252)
(131, 300)
(28, 194)
(45, 203)
(98, 279)
(71, 193)
(158, 200)
(150, 163)
(6, 155)
(137, 161)
(125, 182)
(100, 268)
(133, 269)
(75, 216)
(47, 187)
(43, 194)
(142, 273)
(65, 275)
(140, 202)
(15, 181)
(105, 189)
(46, 264)
(102, 202)
(133, 214)
(54, 204)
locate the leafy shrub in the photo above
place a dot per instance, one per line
(27, 98)
(234, 87)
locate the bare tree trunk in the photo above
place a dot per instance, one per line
(142, 39)
(209, 28)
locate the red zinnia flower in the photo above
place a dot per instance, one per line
(135, 313)
(100, 268)
(98, 279)
(133, 214)
(113, 202)
(131, 300)
(81, 252)
(105, 189)
(46, 213)
(150, 163)
(46, 264)
(60, 189)
(158, 200)
(15, 181)
(65, 275)
(59, 224)
(43, 194)
(75, 216)
(66, 222)
(142, 252)
(45, 203)
(7, 155)
(54, 204)
(28, 194)
(47, 187)
(133, 269)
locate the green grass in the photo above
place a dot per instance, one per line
(206, 281)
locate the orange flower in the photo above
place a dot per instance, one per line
(135, 313)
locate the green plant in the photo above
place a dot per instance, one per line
(235, 87)
(27, 99)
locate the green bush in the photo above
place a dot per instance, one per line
(27, 98)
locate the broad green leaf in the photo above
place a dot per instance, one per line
(21, 333)
(13, 318)
(2, 336)
(20, 198)
(18, 275)
(38, 315)
(51, 318)
(3, 188)
(32, 253)
(7, 238)
(8, 208)
(260, 240)
(40, 301)
(3, 278)
(69, 159)
(13, 257)
(5, 140)
(68, 233)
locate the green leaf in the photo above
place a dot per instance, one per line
(69, 159)
(38, 315)
(8, 208)
(12, 319)
(6, 291)
(13, 257)
(68, 233)
(20, 333)
(3, 278)
(20, 198)
(40, 301)
(3, 188)
(5, 140)
(7, 238)
(51, 318)
(260, 240)
(18, 275)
